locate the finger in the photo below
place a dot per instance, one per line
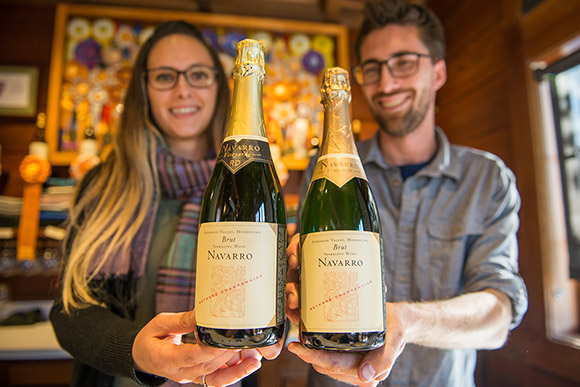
(251, 353)
(271, 352)
(294, 316)
(347, 378)
(234, 360)
(293, 252)
(292, 298)
(175, 323)
(230, 375)
(381, 360)
(336, 363)
(201, 358)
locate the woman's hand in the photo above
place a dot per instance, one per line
(158, 350)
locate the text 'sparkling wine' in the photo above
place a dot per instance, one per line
(241, 256)
(342, 296)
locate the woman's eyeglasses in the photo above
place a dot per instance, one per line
(401, 65)
(166, 78)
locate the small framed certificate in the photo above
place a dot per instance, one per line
(18, 90)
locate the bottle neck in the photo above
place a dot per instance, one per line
(247, 116)
(337, 134)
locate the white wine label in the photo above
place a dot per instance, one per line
(339, 168)
(238, 275)
(238, 151)
(341, 284)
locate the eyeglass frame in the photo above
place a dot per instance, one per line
(355, 69)
(179, 73)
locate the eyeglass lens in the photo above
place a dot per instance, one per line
(196, 76)
(399, 66)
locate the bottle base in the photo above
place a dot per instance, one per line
(343, 342)
(240, 338)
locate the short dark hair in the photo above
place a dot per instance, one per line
(381, 13)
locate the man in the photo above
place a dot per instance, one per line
(448, 214)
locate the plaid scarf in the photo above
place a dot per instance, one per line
(186, 179)
(179, 178)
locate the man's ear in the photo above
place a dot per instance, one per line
(440, 69)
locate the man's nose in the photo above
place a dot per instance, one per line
(387, 82)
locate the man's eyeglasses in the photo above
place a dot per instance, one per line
(401, 65)
(166, 78)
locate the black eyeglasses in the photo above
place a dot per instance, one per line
(166, 78)
(401, 65)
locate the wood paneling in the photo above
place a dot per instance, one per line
(485, 104)
(467, 20)
(287, 370)
(484, 118)
(479, 62)
(25, 40)
(54, 373)
(548, 27)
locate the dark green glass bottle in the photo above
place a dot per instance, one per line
(342, 299)
(241, 258)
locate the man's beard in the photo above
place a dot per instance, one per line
(398, 126)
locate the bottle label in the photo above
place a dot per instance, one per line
(341, 282)
(238, 151)
(339, 168)
(241, 275)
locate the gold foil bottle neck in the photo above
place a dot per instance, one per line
(335, 81)
(249, 59)
(337, 135)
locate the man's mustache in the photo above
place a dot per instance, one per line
(382, 94)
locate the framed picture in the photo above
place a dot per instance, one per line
(93, 51)
(18, 90)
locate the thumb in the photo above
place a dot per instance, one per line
(174, 323)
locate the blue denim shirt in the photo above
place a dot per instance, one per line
(449, 229)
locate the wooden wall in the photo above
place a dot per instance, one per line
(484, 104)
(25, 40)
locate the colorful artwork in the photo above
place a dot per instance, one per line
(99, 54)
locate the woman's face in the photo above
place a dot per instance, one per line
(182, 113)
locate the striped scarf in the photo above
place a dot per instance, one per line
(117, 279)
(180, 179)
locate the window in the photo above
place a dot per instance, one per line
(563, 78)
(558, 164)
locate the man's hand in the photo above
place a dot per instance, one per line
(292, 292)
(363, 369)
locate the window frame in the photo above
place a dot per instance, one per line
(561, 293)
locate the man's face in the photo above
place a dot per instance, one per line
(401, 105)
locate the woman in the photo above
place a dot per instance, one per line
(133, 228)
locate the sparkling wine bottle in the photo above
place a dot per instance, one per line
(241, 255)
(342, 293)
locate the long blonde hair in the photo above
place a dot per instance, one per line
(114, 204)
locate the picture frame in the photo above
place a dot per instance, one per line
(292, 108)
(18, 90)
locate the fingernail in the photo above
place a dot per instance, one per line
(368, 372)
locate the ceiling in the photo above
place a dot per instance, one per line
(346, 12)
